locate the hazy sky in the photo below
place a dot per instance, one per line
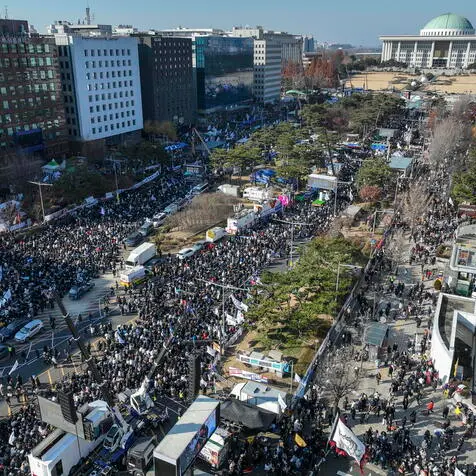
(349, 21)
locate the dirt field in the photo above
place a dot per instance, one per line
(377, 81)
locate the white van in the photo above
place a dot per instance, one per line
(215, 234)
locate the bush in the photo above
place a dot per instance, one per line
(370, 193)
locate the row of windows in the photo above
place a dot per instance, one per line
(20, 89)
(117, 126)
(107, 64)
(109, 107)
(24, 48)
(104, 96)
(25, 62)
(20, 77)
(21, 103)
(104, 52)
(100, 86)
(26, 127)
(111, 117)
(106, 74)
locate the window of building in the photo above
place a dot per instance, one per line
(85, 52)
(94, 130)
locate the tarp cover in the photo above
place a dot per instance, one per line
(249, 416)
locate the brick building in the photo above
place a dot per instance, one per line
(32, 118)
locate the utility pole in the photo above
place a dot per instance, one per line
(115, 162)
(41, 184)
(223, 323)
(338, 182)
(293, 224)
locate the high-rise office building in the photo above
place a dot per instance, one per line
(267, 71)
(32, 119)
(101, 89)
(308, 45)
(224, 71)
(167, 79)
(291, 45)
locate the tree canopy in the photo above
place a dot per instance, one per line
(374, 172)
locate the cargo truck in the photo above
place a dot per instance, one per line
(140, 255)
(215, 234)
(240, 221)
(132, 276)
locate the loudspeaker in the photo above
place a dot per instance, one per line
(195, 374)
(65, 399)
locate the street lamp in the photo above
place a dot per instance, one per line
(41, 184)
(223, 287)
(343, 265)
(293, 224)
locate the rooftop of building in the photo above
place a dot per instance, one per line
(449, 21)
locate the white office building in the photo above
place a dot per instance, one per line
(101, 86)
(448, 41)
(267, 71)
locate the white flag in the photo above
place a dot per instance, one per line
(103, 212)
(211, 351)
(450, 201)
(119, 338)
(241, 306)
(239, 317)
(230, 320)
(345, 440)
(297, 378)
(458, 472)
(282, 403)
(7, 296)
(15, 366)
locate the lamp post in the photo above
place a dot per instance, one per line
(343, 265)
(41, 184)
(293, 224)
(223, 323)
(114, 163)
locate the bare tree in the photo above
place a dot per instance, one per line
(334, 374)
(395, 248)
(415, 203)
(450, 141)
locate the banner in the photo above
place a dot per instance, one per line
(235, 372)
(241, 306)
(282, 403)
(345, 440)
(297, 378)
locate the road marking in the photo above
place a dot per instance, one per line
(29, 350)
(49, 377)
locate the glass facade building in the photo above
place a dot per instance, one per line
(224, 71)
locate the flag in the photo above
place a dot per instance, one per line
(103, 212)
(239, 317)
(344, 440)
(211, 351)
(216, 346)
(297, 378)
(119, 338)
(458, 472)
(450, 201)
(455, 371)
(230, 320)
(15, 366)
(299, 441)
(1, 273)
(216, 312)
(281, 402)
(241, 306)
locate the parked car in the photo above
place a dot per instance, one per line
(199, 245)
(29, 330)
(9, 331)
(134, 239)
(185, 253)
(78, 290)
(159, 219)
(171, 209)
(4, 351)
(200, 188)
(146, 228)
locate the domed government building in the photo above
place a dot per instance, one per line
(447, 41)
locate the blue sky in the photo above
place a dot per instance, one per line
(357, 22)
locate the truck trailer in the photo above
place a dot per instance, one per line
(140, 255)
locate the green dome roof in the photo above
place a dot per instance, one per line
(449, 21)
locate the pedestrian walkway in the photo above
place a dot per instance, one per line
(406, 335)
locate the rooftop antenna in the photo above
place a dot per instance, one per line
(88, 15)
(6, 12)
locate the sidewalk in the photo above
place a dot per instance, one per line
(402, 332)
